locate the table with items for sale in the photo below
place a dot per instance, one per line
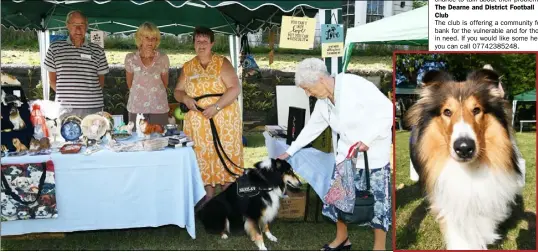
(106, 188)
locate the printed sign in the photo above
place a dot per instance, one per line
(332, 40)
(98, 37)
(297, 32)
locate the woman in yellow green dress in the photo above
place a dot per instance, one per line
(208, 73)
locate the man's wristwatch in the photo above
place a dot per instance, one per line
(217, 107)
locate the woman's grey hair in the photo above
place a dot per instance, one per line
(309, 71)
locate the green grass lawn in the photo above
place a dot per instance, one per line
(291, 234)
(416, 228)
(283, 62)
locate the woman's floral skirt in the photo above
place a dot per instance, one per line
(380, 184)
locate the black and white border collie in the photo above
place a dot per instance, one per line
(463, 152)
(250, 203)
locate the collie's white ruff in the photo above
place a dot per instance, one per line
(472, 201)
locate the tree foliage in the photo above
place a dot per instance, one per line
(419, 3)
(518, 71)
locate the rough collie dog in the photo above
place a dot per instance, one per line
(252, 202)
(463, 152)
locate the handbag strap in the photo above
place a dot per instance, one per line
(366, 166)
(366, 171)
(16, 197)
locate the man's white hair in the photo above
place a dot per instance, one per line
(73, 12)
(309, 71)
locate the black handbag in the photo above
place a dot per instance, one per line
(363, 211)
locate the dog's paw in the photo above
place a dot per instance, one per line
(262, 248)
(224, 236)
(271, 237)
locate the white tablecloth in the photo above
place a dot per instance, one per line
(110, 190)
(313, 165)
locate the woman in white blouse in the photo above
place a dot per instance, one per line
(358, 112)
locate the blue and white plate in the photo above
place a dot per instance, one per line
(71, 130)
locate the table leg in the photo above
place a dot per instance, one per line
(318, 206)
(307, 202)
(520, 127)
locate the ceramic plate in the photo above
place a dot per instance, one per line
(71, 131)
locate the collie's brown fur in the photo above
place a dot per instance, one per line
(443, 102)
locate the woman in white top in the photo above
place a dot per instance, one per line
(357, 112)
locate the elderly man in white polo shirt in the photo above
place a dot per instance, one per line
(76, 69)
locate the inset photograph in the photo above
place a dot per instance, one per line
(465, 151)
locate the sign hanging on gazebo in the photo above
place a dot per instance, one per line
(297, 32)
(332, 40)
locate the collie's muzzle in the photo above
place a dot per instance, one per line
(464, 147)
(463, 142)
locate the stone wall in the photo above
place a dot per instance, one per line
(259, 90)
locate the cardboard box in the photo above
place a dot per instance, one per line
(292, 207)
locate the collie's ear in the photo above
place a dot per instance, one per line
(484, 76)
(488, 66)
(257, 165)
(432, 81)
(435, 76)
(266, 163)
(282, 164)
(487, 76)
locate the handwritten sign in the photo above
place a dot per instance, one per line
(98, 37)
(297, 32)
(332, 50)
(332, 40)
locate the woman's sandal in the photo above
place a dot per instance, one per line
(340, 247)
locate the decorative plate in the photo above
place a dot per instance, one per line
(121, 136)
(71, 148)
(71, 130)
(95, 126)
(109, 117)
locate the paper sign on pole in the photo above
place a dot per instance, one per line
(297, 32)
(98, 37)
(332, 40)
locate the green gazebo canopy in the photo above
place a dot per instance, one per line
(406, 88)
(234, 18)
(407, 28)
(172, 16)
(527, 96)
